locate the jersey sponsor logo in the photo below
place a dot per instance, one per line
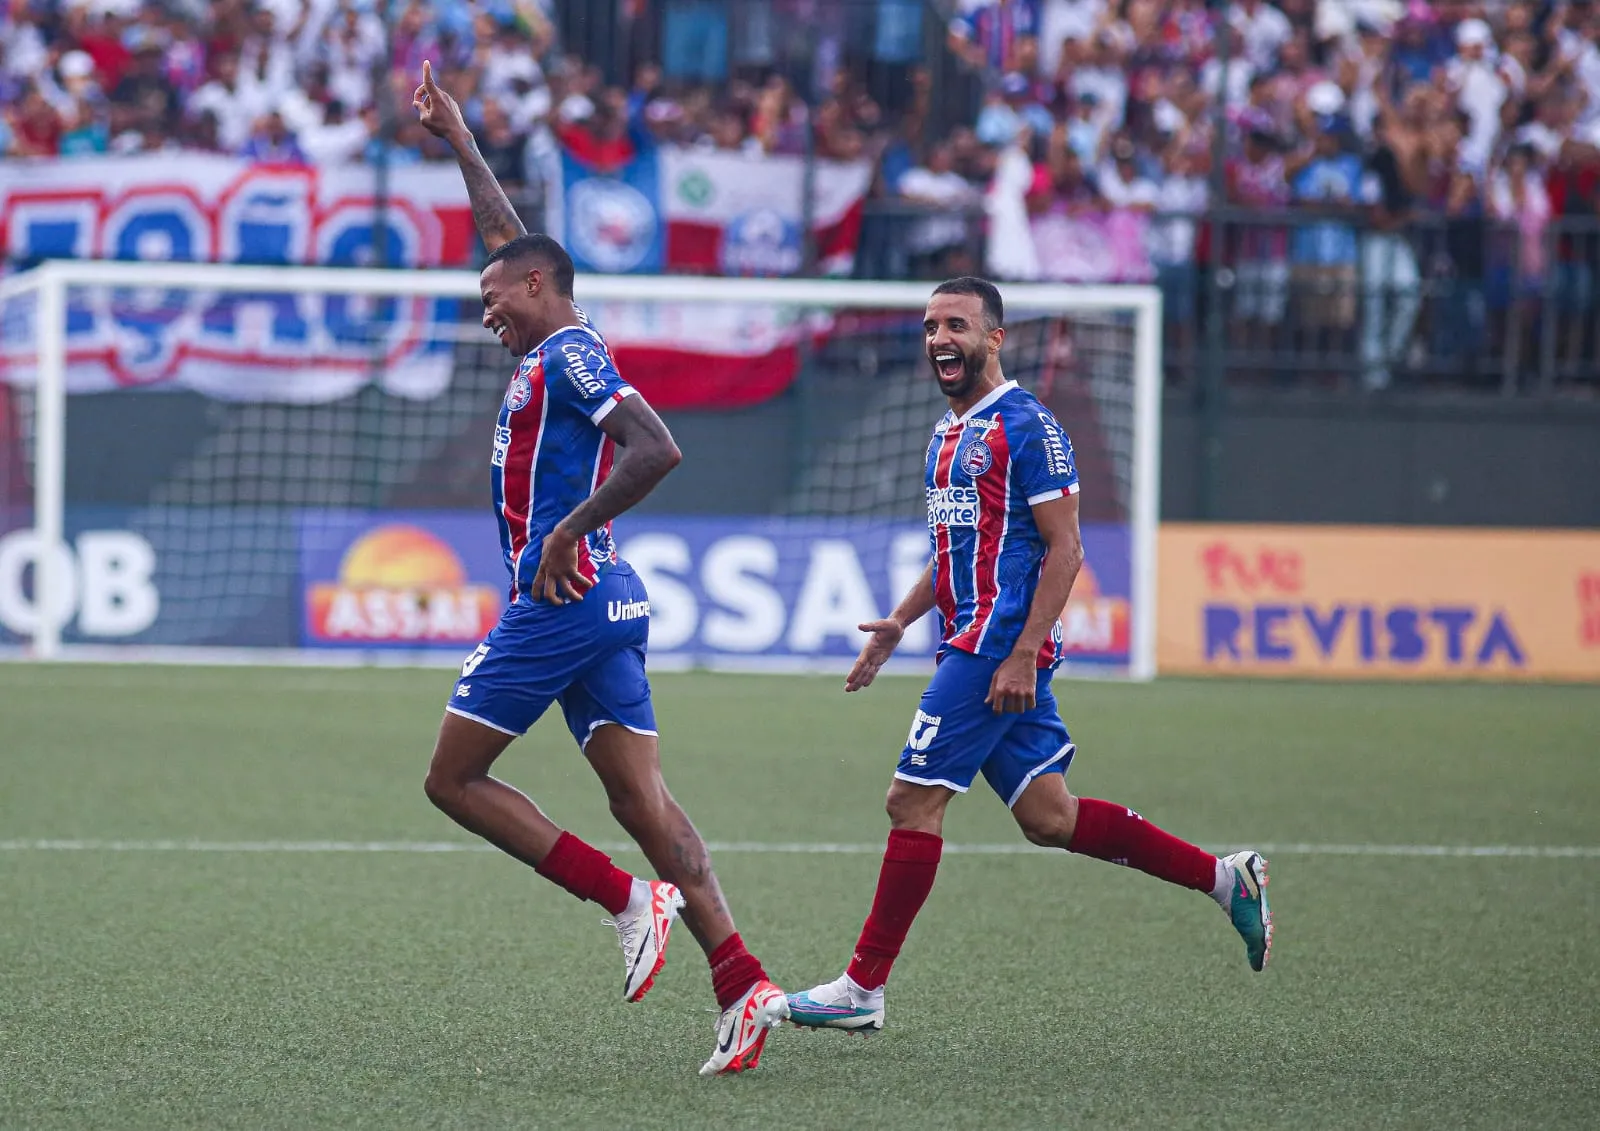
(627, 610)
(976, 458)
(1057, 449)
(584, 363)
(980, 424)
(952, 506)
(502, 445)
(519, 393)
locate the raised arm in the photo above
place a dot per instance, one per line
(497, 221)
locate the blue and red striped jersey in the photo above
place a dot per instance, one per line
(986, 471)
(549, 451)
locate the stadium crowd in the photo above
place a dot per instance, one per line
(1452, 107)
(1472, 114)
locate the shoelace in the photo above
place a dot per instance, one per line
(627, 932)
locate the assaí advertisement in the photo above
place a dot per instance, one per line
(1379, 602)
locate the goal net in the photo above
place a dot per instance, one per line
(231, 462)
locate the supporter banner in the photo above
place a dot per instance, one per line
(1109, 247)
(706, 355)
(207, 208)
(709, 212)
(1380, 603)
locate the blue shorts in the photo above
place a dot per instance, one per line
(587, 655)
(955, 733)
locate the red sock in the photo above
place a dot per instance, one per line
(587, 873)
(733, 971)
(1118, 834)
(909, 865)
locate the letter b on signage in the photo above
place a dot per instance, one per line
(108, 582)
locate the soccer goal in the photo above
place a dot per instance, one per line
(228, 462)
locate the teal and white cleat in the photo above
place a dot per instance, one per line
(839, 1004)
(1247, 905)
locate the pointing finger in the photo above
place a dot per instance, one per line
(427, 73)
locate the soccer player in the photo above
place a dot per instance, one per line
(575, 446)
(1003, 522)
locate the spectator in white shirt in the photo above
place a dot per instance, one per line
(235, 103)
(1479, 87)
(1263, 29)
(946, 194)
(336, 140)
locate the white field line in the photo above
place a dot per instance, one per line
(794, 848)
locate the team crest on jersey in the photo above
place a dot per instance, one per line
(519, 393)
(976, 458)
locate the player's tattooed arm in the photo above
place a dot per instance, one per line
(497, 222)
(645, 454)
(1014, 684)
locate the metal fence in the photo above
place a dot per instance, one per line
(1303, 299)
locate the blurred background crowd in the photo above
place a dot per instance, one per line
(1352, 191)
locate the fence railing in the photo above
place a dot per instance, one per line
(1312, 299)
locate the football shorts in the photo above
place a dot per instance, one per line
(587, 655)
(955, 734)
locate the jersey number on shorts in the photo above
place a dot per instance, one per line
(924, 729)
(470, 664)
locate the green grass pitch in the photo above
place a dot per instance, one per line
(302, 989)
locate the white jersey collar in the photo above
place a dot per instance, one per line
(994, 395)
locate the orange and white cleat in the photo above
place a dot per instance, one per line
(742, 1029)
(642, 930)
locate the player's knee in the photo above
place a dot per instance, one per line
(919, 808)
(444, 787)
(1052, 827)
(637, 809)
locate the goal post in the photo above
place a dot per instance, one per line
(1097, 347)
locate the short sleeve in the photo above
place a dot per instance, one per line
(1043, 467)
(582, 374)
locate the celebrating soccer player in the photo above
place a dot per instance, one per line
(574, 447)
(1003, 523)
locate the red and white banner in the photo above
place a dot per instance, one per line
(671, 208)
(717, 202)
(725, 213)
(706, 355)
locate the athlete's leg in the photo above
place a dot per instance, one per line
(458, 782)
(951, 735)
(629, 767)
(1050, 815)
(910, 865)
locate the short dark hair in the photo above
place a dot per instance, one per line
(994, 311)
(537, 245)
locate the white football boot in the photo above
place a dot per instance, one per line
(742, 1029)
(642, 930)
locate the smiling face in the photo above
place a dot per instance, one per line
(509, 307)
(959, 343)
